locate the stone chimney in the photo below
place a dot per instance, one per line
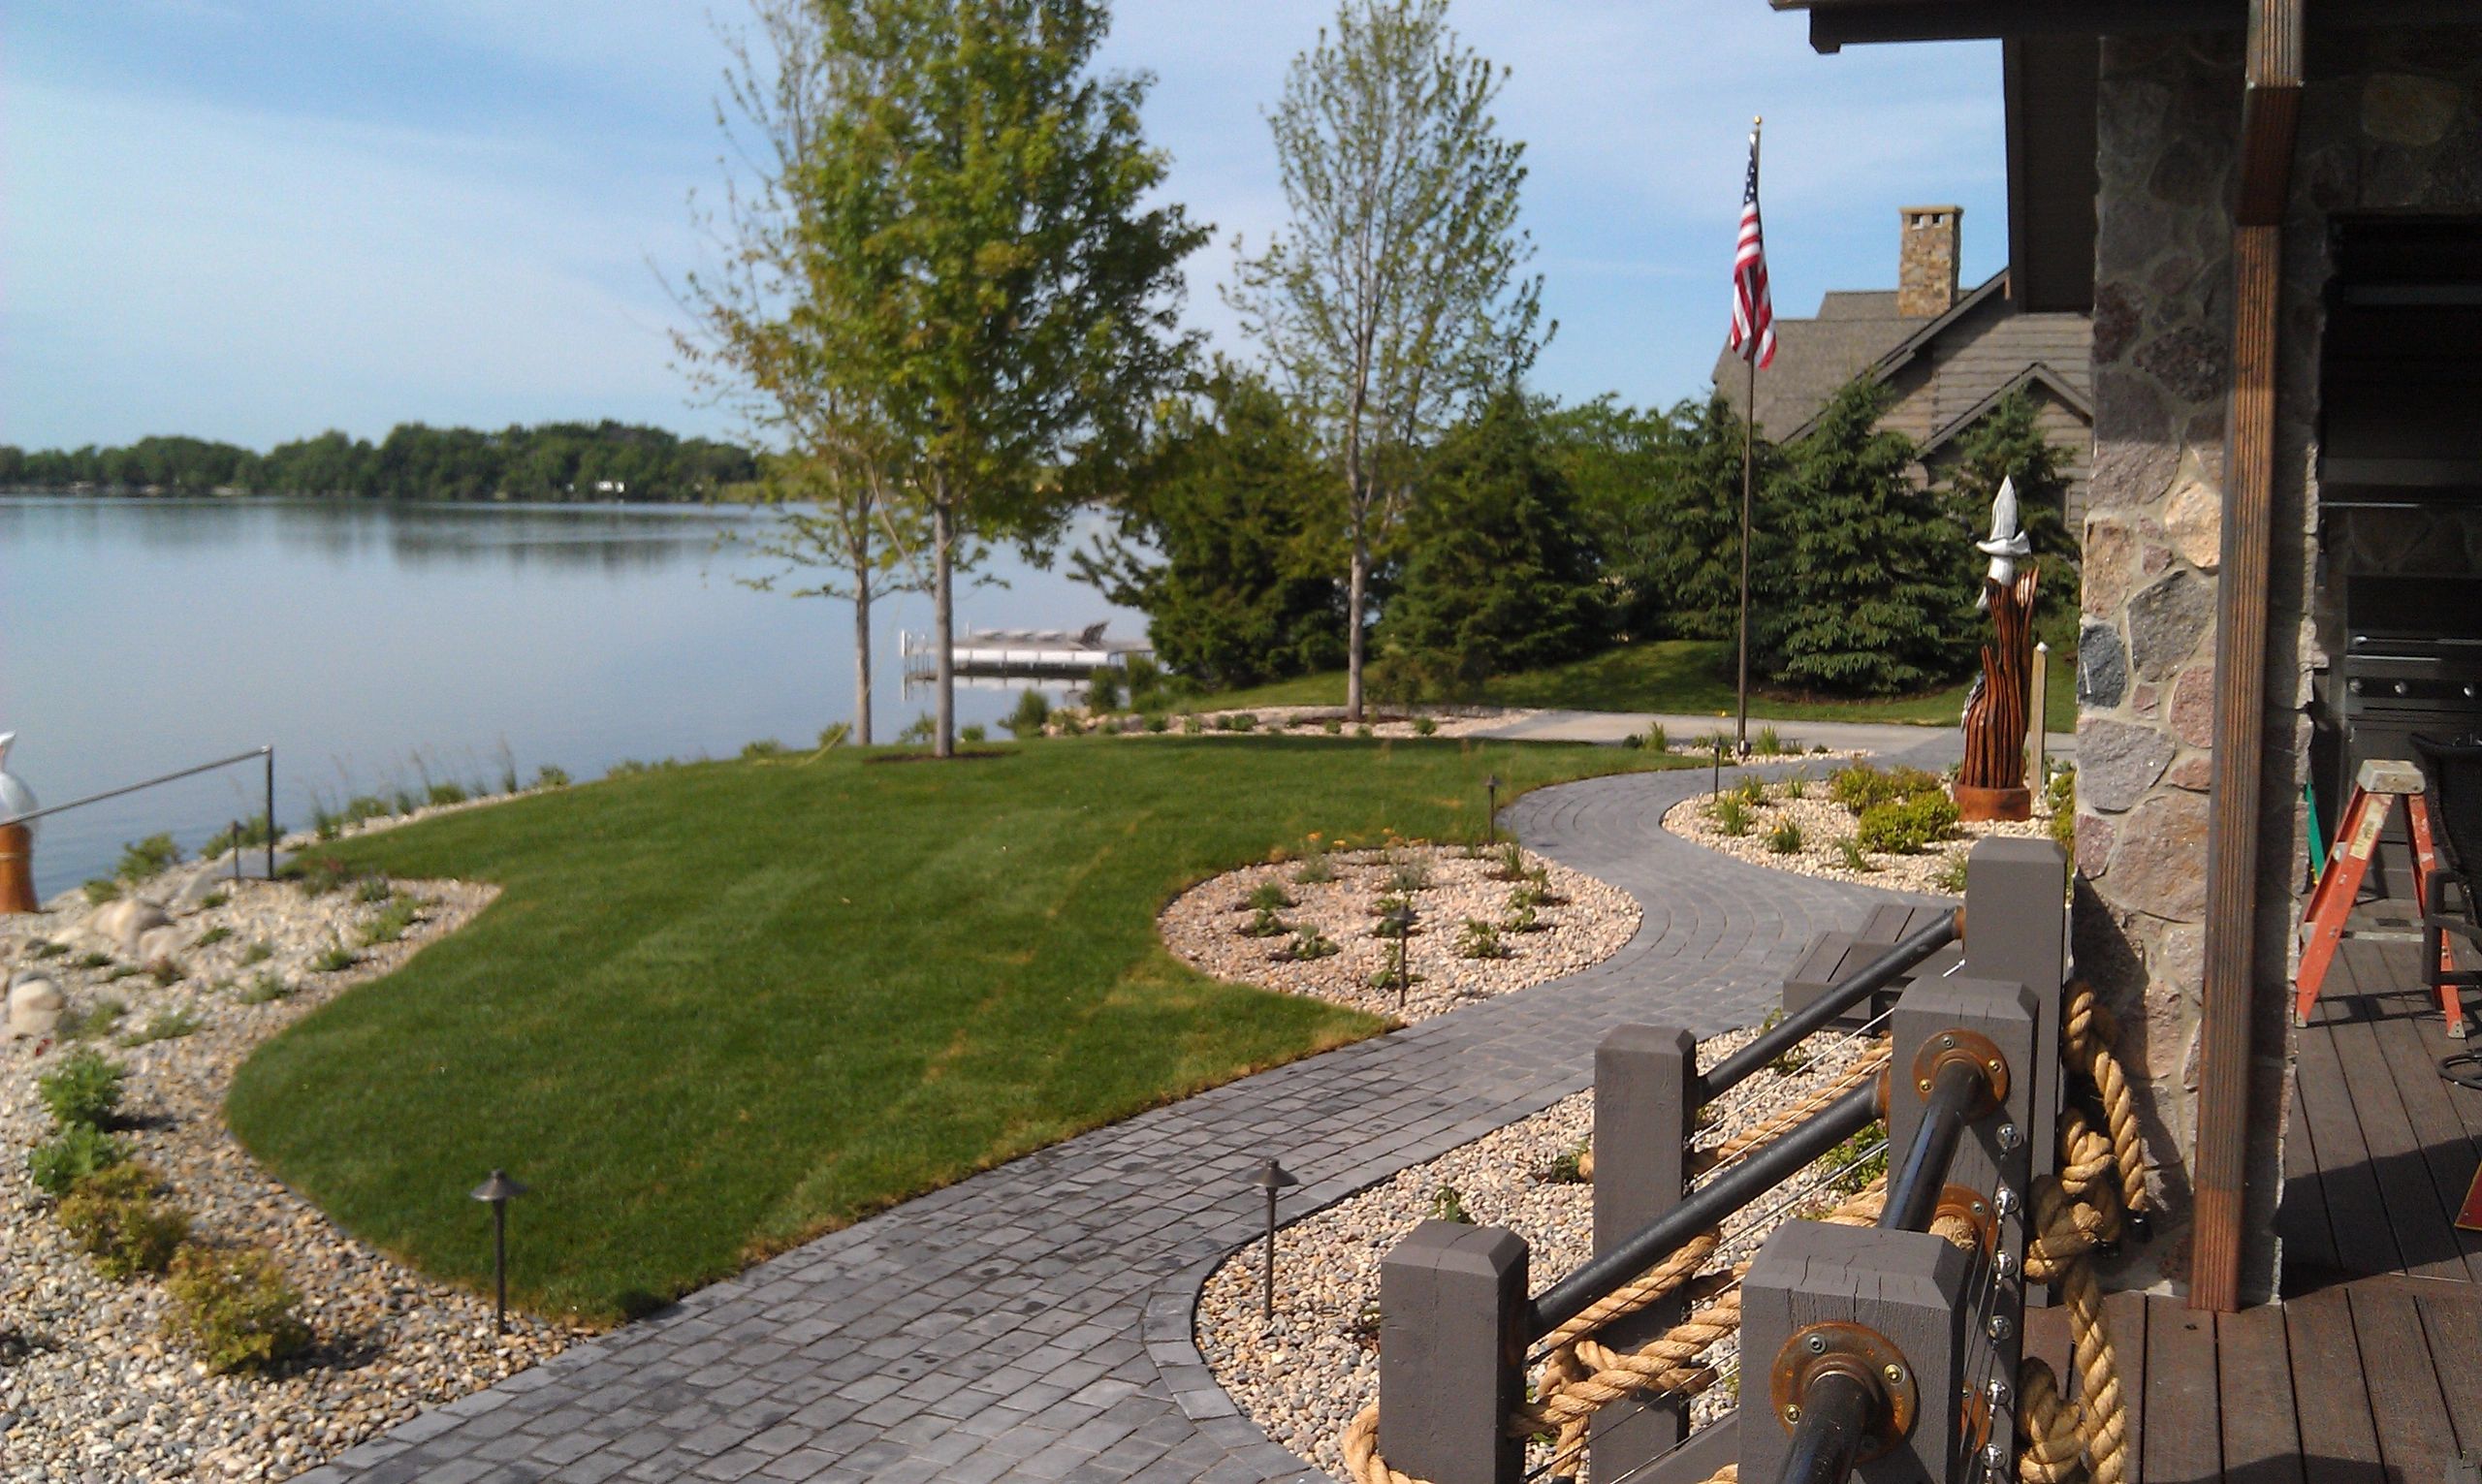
(1927, 259)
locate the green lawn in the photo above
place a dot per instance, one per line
(1689, 676)
(724, 1007)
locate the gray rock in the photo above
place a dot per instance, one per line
(157, 943)
(123, 922)
(2102, 665)
(35, 1005)
(199, 886)
(2166, 621)
(2118, 762)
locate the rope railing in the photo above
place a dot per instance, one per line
(2019, 1417)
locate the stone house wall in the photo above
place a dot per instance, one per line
(2390, 121)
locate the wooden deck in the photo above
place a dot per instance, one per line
(2370, 1368)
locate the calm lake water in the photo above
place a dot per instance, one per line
(374, 644)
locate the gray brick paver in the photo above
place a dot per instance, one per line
(1034, 1321)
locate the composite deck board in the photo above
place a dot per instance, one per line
(2408, 1410)
(2124, 1320)
(2355, 1206)
(2184, 1441)
(2337, 1443)
(2452, 1321)
(2415, 1214)
(2447, 1148)
(2301, 1215)
(2253, 1382)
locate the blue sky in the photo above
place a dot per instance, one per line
(255, 219)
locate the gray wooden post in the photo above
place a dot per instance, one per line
(2016, 932)
(1451, 1353)
(1911, 1287)
(1994, 1155)
(1643, 1121)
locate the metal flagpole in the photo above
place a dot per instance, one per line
(1749, 422)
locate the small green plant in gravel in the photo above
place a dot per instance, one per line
(760, 748)
(1191, 724)
(164, 1026)
(93, 1023)
(258, 953)
(1315, 867)
(1752, 790)
(375, 888)
(1906, 826)
(321, 875)
(1385, 907)
(1850, 855)
(234, 1307)
(167, 971)
(1523, 920)
(116, 1216)
(214, 936)
(1769, 743)
(253, 830)
(390, 922)
(1270, 897)
(1568, 1167)
(145, 860)
(1860, 787)
(1364, 730)
(1653, 739)
(1333, 726)
(1786, 837)
(58, 1163)
(334, 959)
(1478, 939)
(1159, 723)
(47, 949)
(83, 1088)
(2059, 795)
(1448, 1205)
(1730, 813)
(1795, 1060)
(1949, 877)
(549, 776)
(124, 971)
(1409, 871)
(261, 989)
(444, 793)
(93, 961)
(1309, 944)
(100, 891)
(1508, 865)
(1798, 786)
(1858, 1160)
(1423, 726)
(1264, 923)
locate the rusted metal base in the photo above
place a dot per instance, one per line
(17, 869)
(1987, 804)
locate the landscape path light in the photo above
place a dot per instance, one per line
(496, 1192)
(1399, 921)
(1272, 1178)
(1491, 811)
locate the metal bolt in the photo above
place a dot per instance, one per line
(1792, 1412)
(2003, 1263)
(1924, 1085)
(1981, 1208)
(1997, 1391)
(1818, 1344)
(1997, 1066)
(1992, 1456)
(2001, 1328)
(2009, 1136)
(1947, 1043)
(1895, 1375)
(2006, 1200)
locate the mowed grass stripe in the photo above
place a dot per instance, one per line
(722, 1008)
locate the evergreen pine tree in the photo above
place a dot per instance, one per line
(2008, 443)
(1868, 589)
(1689, 568)
(1498, 570)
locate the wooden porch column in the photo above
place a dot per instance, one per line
(2218, 1172)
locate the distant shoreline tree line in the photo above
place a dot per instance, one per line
(550, 462)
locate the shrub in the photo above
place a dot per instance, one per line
(321, 875)
(214, 936)
(1032, 713)
(1730, 813)
(368, 806)
(233, 1305)
(58, 1163)
(1309, 943)
(262, 989)
(114, 1215)
(164, 1026)
(1270, 897)
(147, 858)
(1103, 689)
(100, 891)
(1448, 1206)
(549, 776)
(1144, 679)
(334, 958)
(1653, 739)
(1572, 1165)
(1860, 787)
(1363, 730)
(1906, 827)
(83, 1088)
(1752, 790)
(1785, 839)
(761, 750)
(375, 888)
(94, 1021)
(445, 793)
(1191, 724)
(253, 830)
(390, 922)
(1265, 923)
(972, 733)
(921, 730)
(1478, 939)
(1949, 877)
(1239, 721)
(1423, 726)
(1858, 1160)
(1798, 786)
(1333, 726)
(1769, 743)
(1156, 722)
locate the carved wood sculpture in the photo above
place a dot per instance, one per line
(1993, 784)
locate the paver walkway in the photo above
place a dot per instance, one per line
(1032, 1322)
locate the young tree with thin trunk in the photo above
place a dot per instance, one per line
(1013, 294)
(755, 344)
(1398, 296)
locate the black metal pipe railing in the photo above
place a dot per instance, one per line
(1761, 1171)
(266, 754)
(1912, 1189)
(1835, 1417)
(1881, 971)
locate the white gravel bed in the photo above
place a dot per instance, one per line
(1305, 1375)
(1580, 922)
(1823, 822)
(89, 1386)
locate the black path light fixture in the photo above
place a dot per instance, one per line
(1272, 1178)
(496, 1192)
(1491, 811)
(1399, 921)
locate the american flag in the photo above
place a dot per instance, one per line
(1753, 313)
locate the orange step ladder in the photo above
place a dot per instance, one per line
(2380, 782)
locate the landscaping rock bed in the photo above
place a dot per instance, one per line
(1822, 824)
(1301, 721)
(90, 1386)
(1305, 1375)
(1578, 921)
